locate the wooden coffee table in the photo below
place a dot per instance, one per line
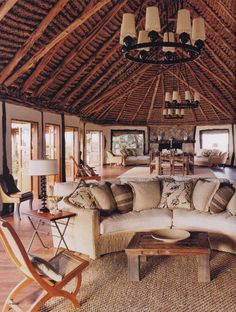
(143, 245)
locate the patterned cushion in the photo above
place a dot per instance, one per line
(231, 207)
(131, 152)
(147, 195)
(221, 199)
(82, 198)
(205, 152)
(123, 196)
(123, 152)
(176, 194)
(104, 198)
(203, 193)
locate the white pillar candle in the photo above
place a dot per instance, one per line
(169, 111)
(196, 96)
(164, 112)
(182, 112)
(168, 37)
(177, 111)
(143, 38)
(152, 22)
(179, 99)
(198, 29)
(183, 22)
(187, 95)
(175, 96)
(168, 97)
(127, 26)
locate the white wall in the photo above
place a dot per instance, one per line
(213, 127)
(17, 112)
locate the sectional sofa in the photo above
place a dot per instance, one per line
(159, 203)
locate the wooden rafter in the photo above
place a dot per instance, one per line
(154, 97)
(37, 56)
(76, 51)
(202, 95)
(32, 39)
(6, 7)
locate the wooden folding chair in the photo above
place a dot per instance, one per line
(65, 263)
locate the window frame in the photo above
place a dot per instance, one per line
(201, 133)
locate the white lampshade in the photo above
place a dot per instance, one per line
(168, 97)
(198, 30)
(152, 22)
(143, 38)
(164, 112)
(169, 111)
(187, 95)
(42, 167)
(196, 96)
(127, 27)
(182, 112)
(177, 111)
(175, 96)
(183, 22)
(168, 37)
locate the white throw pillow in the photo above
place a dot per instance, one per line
(203, 193)
(147, 195)
(231, 207)
(176, 194)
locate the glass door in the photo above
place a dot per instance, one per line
(52, 149)
(72, 151)
(94, 148)
(24, 146)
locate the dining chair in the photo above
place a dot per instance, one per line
(50, 275)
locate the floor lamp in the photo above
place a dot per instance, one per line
(43, 168)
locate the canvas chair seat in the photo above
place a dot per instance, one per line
(50, 275)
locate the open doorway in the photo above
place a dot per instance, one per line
(24, 146)
(94, 148)
(72, 151)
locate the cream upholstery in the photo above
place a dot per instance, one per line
(137, 221)
(112, 159)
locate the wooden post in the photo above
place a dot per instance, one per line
(4, 133)
(63, 149)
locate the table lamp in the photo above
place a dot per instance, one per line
(43, 168)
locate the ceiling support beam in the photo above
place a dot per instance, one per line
(32, 39)
(43, 51)
(153, 97)
(6, 7)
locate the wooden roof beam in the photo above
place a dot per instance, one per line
(6, 7)
(82, 45)
(153, 97)
(44, 50)
(32, 39)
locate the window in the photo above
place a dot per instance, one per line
(94, 148)
(72, 151)
(215, 139)
(128, 139)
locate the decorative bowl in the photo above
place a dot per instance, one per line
(170, 235)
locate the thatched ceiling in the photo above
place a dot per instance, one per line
(65, 55)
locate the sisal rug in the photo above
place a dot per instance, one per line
(169, 284)
(144, 172)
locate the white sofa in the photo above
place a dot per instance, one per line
(134, 157)
(93, 235)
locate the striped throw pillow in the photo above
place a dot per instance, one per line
(221, 199)
(123, 196)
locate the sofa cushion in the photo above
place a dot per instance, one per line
(176, 194)
(104, 198)
(203, 193)
(231, 207)
(82, 198)
(137, 221)
(123, 196)
(221, 198)
(194, 220)
(139, 152)
(147, 195)
(64, 188)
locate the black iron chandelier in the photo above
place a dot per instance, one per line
(155, 47)
(174, 106)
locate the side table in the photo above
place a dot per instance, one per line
(54, 220)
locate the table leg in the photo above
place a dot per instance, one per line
(61, 235)
(204, 269)
(35, 233)
(133, 268)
